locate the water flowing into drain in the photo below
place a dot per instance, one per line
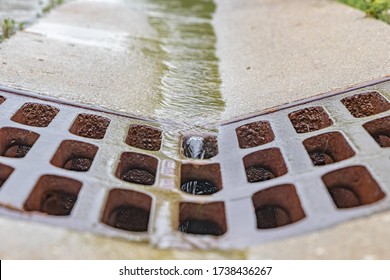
(186, 53)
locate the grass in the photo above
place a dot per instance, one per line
(51, 5)
(379, 9)
(8, 29)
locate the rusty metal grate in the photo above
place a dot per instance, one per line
(299, 168)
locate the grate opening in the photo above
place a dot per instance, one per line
(144, 137)
(2, 99)
(5, 172)
(200, 179)
(53, 195)
(74, 155)
(366, 104)
(379, 129)
(264, 165)
(90, 126)
(16, 142)
(352, 187)
(35, 114)
(277, 206)
(127, 210)
(202, 218)
(310, 119)
(137, 168)
(199, 147)
(328, 148)
(254, 134)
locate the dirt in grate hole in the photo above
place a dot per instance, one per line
(2, 99)
(74, 155)
(254, 134)
(137, 168)
(328, 148)
(277, 206)
(379, 129)
(138, 176)
(352, 186)
(200, 179)
(53, 195)
(90, 126)
(310, 119)
(58, 203)
(264, 165)
(127, 210)
(35, 114)
(366, 104)
(144, 137)
(199, 147)
(16, 142)
(5, 172)
(203, 219)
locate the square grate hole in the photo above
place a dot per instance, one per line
(90, 126)
(35, 114)
(277, 206)
(264, 165)
(127, 210)
(5, 172)
(328, 148)
(2, 99)
(53, 195)
(202, 218)
(379, 129)
(199, 146)
(16, 142)
(137, 168)
(310, 119)
(74, 155)
(200, 179)
(144, 137)
(366, 104)
(254, 134)
(352, 186)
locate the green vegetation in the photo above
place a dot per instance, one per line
(374, 8)
(8, 28)
(51, 5)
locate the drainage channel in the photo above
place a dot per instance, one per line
(274, 175)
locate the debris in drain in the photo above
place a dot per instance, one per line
(57, 203)
(144, 137)
(197, 226)
(254, 134)
(130, 218)
(138, 176)
(310, 119)
(17, 151)
(198, 147)
(78, 164)
(271, 216)
(199, 187)
(320, 158)
(90, 126)
(344, 197)
(366, 104)
(34, 114)
(258, 174)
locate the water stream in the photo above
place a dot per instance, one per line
(186, 53)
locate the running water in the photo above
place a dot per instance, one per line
(190, 83)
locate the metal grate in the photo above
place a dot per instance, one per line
(299, 168)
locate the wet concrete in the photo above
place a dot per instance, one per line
(81, 69)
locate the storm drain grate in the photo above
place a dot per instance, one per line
(300, 168)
